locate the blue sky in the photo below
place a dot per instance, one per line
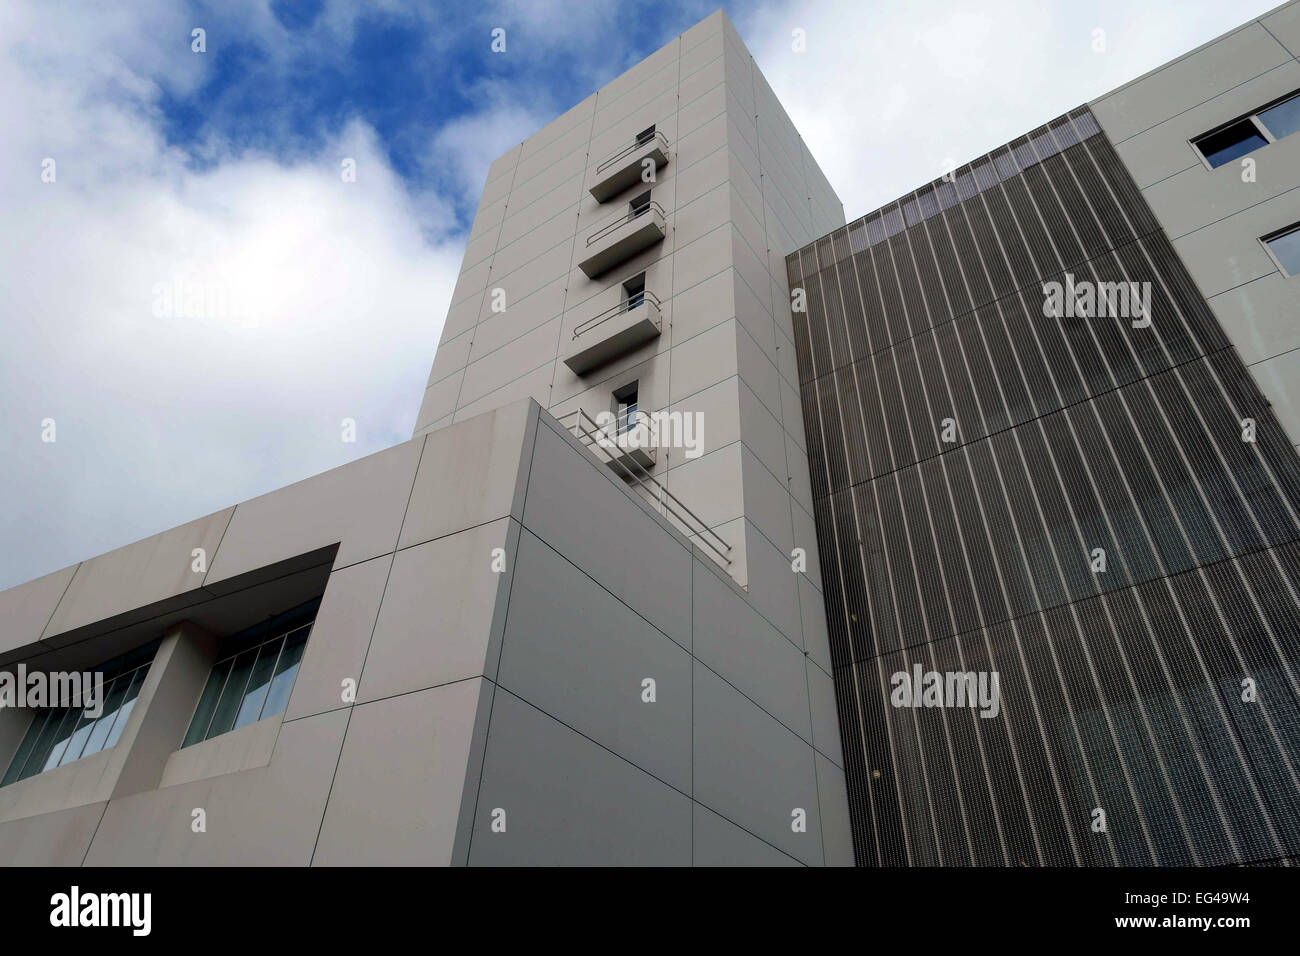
(220, 172)
(291, 85)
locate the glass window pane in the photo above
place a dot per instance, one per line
(59, 736)
(1232, 143)
(1287, 249)
(71, 717)
(128, 703)
(1283, 119)
(25, 749)
(112, 701)
(36, 759)
(285, 672)
(258, 682)
(43, 744)
(77, 742)
(207, 703)
(233, 696)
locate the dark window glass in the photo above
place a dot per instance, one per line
(61, 735)
(258, 683)
(1230, 143)
(253, 675)
(26, 747)
(124, 712)
(48, 734)
(113, 700)
(66, 726)
(285, 672)
(77, 742)
(233, 695)
(634, 289)
(625, 403)
(208, 702)
(1286, 248)
(1283, 119)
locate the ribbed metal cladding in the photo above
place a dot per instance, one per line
(1149, 713)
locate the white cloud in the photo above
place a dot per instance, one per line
(161, 415)
(886, 92)
(465, 147)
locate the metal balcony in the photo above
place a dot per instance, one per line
(614, 332)
(624, 169)
(624, 237)
(630, 465)
(628, 441)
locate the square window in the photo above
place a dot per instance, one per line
(1283, 119)
(1286, 250)
(60, 735)
(253, 675)
(625, 402)
(634, 290)
(1231, 142)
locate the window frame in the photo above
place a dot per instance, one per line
(123, 667)
(632, 295)
(639, 205)
(280, 628)
(1253, 117)
(1278, 234)
(626, 400)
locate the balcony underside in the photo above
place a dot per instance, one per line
(628, 171)
(623, 243)
(613, 337)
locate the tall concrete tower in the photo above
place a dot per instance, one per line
(631, 254)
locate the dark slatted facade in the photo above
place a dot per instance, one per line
(1162, 691)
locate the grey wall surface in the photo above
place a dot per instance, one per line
(400, 544)
(741, 735)
(516, 686)
(1213, 217)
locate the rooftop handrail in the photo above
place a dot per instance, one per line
(625, 218)
(590, 434)
(626, 305)
(638, 144)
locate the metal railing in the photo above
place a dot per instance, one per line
(624, 219)
(669, 505)
(627, 305)
(629, 150)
